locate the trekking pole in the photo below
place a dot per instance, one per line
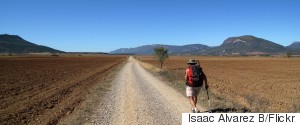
(208, 100)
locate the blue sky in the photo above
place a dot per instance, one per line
(106, 25)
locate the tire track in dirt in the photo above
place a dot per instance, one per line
(137, 97)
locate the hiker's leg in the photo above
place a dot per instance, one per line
(196, 93)
(195, 100)
(195, 103)
(192, 101)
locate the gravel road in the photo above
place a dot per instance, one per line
(137, 97)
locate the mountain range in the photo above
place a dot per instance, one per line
(16, 44)
(241, 45)
(173, 49)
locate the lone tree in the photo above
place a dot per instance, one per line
(162, 55)
(289, 54)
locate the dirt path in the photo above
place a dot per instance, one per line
(137, 97)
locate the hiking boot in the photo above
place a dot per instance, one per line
(193, 111)
(196, 110)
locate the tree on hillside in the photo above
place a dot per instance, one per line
(289, 54)
(162, 54)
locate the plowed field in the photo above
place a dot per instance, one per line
(262, 84)
(42, 90)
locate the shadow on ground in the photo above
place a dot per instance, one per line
(227, 110)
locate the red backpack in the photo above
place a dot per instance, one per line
(194, 76)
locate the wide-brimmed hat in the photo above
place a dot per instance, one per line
(191, 61)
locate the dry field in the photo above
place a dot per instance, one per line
(42, 90)
(258, 84)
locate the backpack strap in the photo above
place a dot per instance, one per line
(189, 73)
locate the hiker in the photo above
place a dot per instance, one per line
(194, 77)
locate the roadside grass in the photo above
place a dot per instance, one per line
(257, 104)
(296, 108)
(175, 79)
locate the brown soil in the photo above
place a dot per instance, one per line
(262, 84)
(42, 90)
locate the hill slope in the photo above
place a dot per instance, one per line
(16, 44)
(248, 45)
(294, 48)
(294, 45)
